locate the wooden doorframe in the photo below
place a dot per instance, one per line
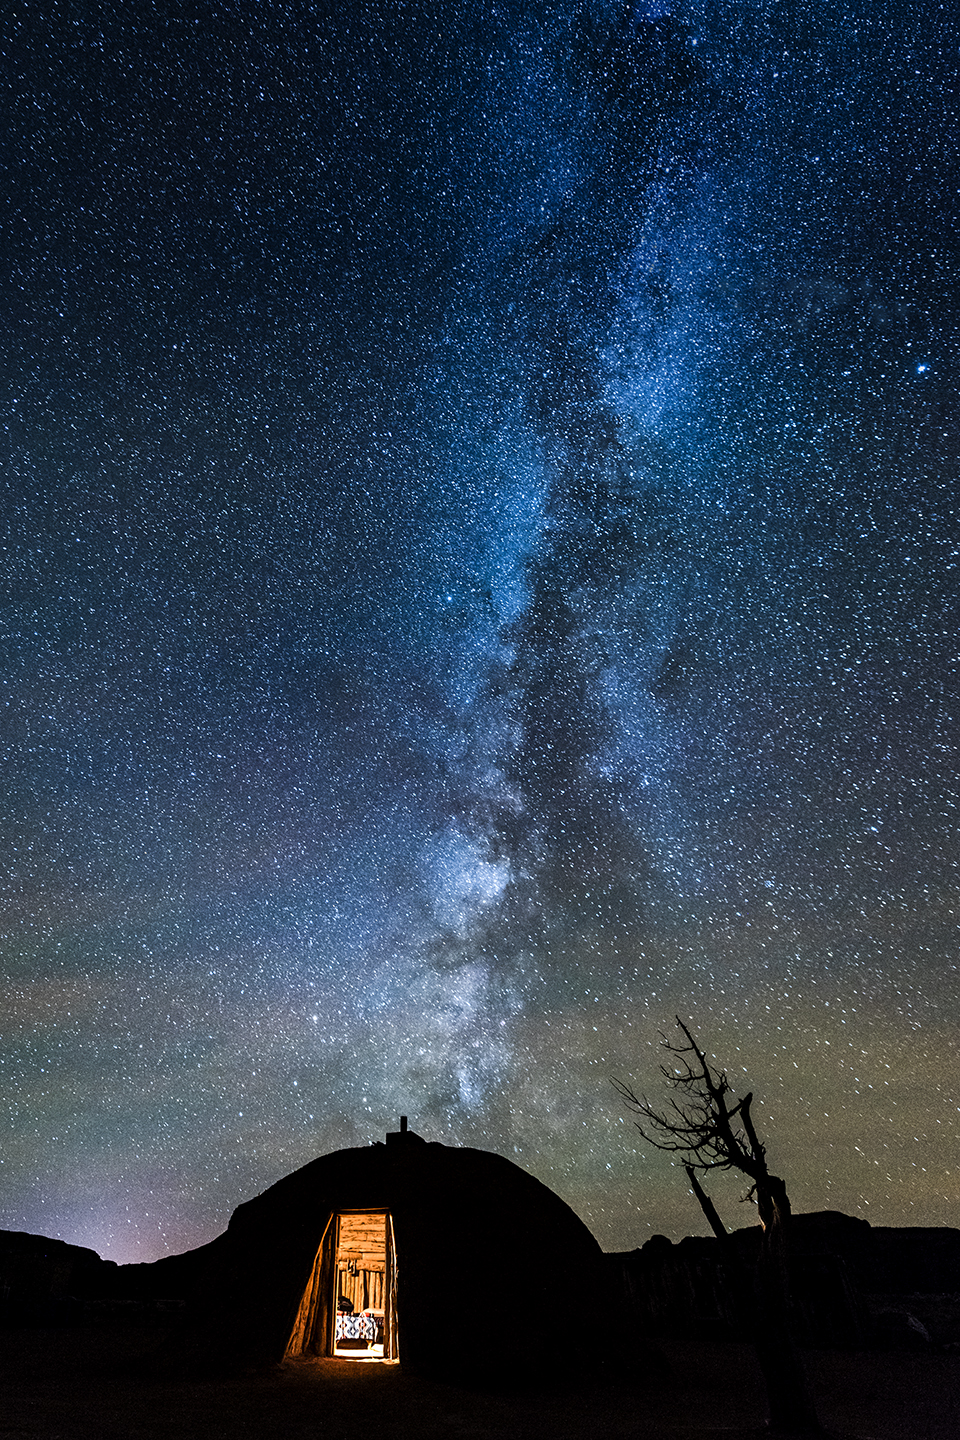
(314, 1328)
(391, 1328)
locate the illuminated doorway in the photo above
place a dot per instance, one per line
(349, 1307)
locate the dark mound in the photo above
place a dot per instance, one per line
(495, 1273)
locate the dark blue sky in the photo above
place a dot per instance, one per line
(479, 506)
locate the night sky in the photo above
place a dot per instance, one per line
(479, 578)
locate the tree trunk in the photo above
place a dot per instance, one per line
(707, 1205)
(791, 1408)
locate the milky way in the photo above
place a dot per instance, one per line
(479, 562)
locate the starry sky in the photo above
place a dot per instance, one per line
(479, 578)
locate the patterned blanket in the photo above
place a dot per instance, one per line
(355, 1327)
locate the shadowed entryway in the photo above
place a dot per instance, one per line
(349, 1306)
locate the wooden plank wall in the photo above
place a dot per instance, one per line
(362, 1241)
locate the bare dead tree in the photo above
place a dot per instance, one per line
(709, 1129)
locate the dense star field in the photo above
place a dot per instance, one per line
(479, 569)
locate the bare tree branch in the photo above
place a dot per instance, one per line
(704, 1123)
(699, 1119)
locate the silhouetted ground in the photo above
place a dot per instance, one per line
(100, 1385)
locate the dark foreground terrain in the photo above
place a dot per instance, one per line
(105, 1385)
